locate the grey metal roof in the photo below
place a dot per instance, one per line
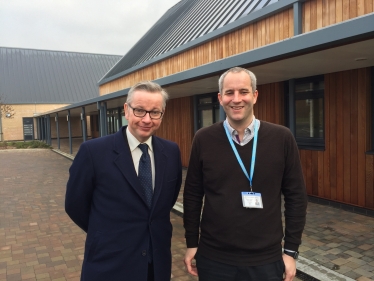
(39, 76)
(183, 23)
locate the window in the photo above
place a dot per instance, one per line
(208, 110)
(307, 115)
(115, 119)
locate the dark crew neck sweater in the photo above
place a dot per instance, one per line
(230, 233)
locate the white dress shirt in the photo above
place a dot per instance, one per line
(137, 153)
(248, 132)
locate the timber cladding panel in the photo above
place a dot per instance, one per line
(343, 172)
(321, 13)
(266, 31)
(177, 125)
(270, 103)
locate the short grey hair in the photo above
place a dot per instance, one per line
(150, 87)
(238, 69)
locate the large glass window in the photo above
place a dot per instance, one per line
(308, 95)
(208, 110)
(115, 119)
(309, 118)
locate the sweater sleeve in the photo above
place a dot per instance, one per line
(193, 196)
(295, 197)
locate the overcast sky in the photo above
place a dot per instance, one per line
(89, 26)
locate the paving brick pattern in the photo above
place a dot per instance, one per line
(340, 240)
(37, 239)
(39, 242)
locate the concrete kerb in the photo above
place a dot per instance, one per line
(308, 269)
(69, 156)
(318, 271)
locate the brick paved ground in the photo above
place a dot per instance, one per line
(338, 240)
(39, 242)
(37, 239)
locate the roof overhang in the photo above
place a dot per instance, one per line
(339, 47)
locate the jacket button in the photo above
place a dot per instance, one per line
(144, 253)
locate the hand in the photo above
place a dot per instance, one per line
(189, 256)
(290, 267)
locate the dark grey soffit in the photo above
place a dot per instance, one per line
(350, 31)
(29, 76)
(257, 15)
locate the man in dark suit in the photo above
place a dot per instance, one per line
(121, 190)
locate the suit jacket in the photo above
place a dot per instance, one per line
(105, 198)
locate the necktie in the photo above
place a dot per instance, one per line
(145, 174)
(145, 178)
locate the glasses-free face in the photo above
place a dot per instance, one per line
(153, 114)
(237, 99)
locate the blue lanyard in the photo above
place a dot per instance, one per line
(253, 152)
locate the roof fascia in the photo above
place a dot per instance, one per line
(253, 17)
(111, 96)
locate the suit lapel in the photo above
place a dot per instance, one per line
(160, 167)
(124, 163)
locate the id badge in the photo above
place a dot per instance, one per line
(252, 200)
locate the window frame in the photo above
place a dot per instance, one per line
(199, 107)
(305, 142)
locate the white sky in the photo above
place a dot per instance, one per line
(88, 26)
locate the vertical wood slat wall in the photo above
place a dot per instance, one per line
(343, 172)
(266, 31)
(270, 103)
(177, 125)
(321, 13)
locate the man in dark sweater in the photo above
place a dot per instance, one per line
(240, 167)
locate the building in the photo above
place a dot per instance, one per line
(36, 81)
(314, 61)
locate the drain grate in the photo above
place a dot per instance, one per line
(305, 277)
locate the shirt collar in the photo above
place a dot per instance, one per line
(133, 142)
(234, 132)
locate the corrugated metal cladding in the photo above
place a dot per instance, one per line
(38, 76)
(184, 22)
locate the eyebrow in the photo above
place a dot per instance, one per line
(242, 89)
(154, 109)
